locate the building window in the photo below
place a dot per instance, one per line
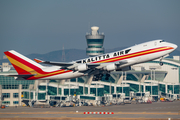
(95, 41)
(25, 86)
(6, 95)
(15, 102)
(66, 91)
(5, 102)
(59, 91)
(10, 86)
(94, 51)
(25, 95)
(41, 96)
(93, 91)
(94, 46)
(73, 80)
(43, 88)
(52, 90)
(15, 95)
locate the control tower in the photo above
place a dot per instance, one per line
(94, 42)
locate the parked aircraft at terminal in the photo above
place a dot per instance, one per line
(97, 66)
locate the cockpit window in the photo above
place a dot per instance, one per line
(162, 41)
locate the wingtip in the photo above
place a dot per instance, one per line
(38, 61)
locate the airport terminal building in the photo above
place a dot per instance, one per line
(146, 77)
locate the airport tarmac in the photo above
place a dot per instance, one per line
(156, 110)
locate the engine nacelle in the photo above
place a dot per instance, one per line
(110, 67)
(81, 67)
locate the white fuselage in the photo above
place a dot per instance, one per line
(137, 54)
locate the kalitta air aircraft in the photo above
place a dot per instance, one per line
(97, 66)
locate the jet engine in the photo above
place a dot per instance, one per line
(81, 67)
(110, 67)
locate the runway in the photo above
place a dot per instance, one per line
(156, 110)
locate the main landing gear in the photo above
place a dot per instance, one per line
(97, 77)
(107, 76)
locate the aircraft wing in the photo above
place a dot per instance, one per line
(67, 65)
(82, 67)
(62, 64)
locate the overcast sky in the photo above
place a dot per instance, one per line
(42, 26)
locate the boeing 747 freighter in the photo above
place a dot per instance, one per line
(97, 66)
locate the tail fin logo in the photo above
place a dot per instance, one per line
(22, 64)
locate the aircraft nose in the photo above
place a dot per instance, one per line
(174, 46)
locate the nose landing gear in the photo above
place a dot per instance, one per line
(161, 63)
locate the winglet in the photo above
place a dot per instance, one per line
(38, 61)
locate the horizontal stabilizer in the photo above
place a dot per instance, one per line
(16, 75)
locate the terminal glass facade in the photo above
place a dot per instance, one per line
(176, 89)
(125, 90)
(60, 93)
(80, 80)
(41, 96)
(110, 80)
(73, 91)
(131, 77)
(88, 97)
(119, 89)
(52, 90)
(170, 88)
(162, 88)
(26, 95)
(100, 91)
(11, 83)
(66, 91)
(42, 88)
(106, 89)
(154, 90)
(134, 87)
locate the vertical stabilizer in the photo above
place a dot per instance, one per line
(22, 64)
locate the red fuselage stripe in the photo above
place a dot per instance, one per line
(131, 55)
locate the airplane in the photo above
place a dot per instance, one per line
(122, 60)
